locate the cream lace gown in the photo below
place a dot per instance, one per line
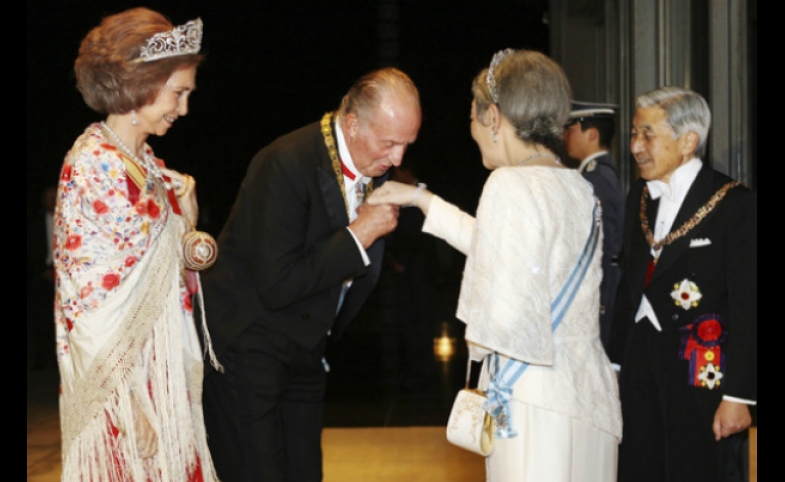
(532, 224)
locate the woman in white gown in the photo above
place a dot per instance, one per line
(532, 224)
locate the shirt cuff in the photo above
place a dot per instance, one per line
(740, 400)
(363, 253)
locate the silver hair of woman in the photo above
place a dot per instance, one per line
(491, 80)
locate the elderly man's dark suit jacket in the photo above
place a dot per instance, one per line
(284, 255)
(285, 250)
(720, 256)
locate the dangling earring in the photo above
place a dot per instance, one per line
(493, 136)
(134, 120)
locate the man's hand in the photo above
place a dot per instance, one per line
(373, 222)
(730, 418)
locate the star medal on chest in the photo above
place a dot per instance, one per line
(686, 294)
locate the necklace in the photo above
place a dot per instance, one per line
(684, 228)
(332, 150)
(146, 162)
(539, 155)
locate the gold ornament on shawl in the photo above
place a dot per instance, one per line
(199, 250)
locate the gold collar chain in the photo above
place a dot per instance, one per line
(687, 226)
(332, 150)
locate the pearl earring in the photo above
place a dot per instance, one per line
(493, 136)
(134, 120)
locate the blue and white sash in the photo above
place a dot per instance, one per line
(500, 388)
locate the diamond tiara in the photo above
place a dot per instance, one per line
(182, 40)
(489, 77)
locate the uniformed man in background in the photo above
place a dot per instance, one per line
(587, 137)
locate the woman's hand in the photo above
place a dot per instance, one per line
(400, 194)
(185, 190)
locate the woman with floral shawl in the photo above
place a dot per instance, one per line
(128, 351)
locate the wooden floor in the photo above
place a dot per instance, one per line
(394, 454)
(391, 454)
(384, 454)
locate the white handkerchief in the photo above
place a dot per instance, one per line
(699, 242)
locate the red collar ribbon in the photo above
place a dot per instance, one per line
(347, 172)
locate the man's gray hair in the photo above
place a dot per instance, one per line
(685, 111)
(368, 91)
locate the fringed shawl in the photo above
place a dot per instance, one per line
(137, 348)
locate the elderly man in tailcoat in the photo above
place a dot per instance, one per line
(299, 255)
(685, 324)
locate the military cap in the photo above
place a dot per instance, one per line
(580, 111)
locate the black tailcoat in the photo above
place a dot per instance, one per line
(285, 252)
(271, 300)
(667, 421)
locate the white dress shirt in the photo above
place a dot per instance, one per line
(671, 196)
(349, 186)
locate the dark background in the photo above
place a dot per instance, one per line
(273, 66)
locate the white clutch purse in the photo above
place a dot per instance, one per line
(470, 426)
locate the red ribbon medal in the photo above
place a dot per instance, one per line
(701, 344)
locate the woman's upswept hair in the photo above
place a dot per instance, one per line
(108, 73)
(533, 93)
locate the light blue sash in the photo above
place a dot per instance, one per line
(500, 388)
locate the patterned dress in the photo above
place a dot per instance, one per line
(126, 340)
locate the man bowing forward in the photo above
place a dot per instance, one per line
(297, 260)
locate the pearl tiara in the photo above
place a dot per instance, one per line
(182, 40)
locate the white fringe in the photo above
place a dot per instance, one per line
(148, 357)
